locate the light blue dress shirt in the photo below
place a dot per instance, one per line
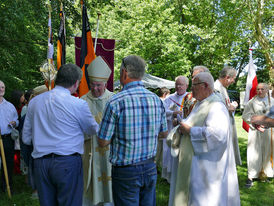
(56, 122)
(270, 114)
(8, 113)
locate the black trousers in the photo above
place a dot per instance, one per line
(9, 154)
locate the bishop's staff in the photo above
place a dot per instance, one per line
(4, 165)
(47, 69)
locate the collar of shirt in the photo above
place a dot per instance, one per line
(133, 84)
(60, 88)
(3, 101)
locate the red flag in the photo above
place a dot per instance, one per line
(61, 42)
(251, 84)
(87, 53)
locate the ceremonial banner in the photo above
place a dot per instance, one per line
(251, 84)
(48, 81)
(105, 48)
(87, 54)
(61, 42)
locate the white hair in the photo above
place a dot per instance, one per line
(183, 78)
(201, 68)
(265, 85)
(206, 77)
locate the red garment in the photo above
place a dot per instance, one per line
(17, 162)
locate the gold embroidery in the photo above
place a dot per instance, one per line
(102, 150)
(104, 178)
(98, 117)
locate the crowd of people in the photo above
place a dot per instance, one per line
(104, 148)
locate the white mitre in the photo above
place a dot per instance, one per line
(98, 70)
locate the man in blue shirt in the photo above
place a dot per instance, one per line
(8, 119)
(133, 121)
(55, 124)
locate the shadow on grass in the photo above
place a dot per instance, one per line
(261, 193)
(21, 196)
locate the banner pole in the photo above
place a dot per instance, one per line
(5, 166)
(97, 30)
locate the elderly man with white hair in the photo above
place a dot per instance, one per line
(206, 172)
(174, 112)
(8, 119)
(259, 151)
(226, 78)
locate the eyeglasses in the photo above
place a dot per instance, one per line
(194, 84)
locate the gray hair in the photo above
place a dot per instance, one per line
(206, 77)
(265, 85)
(67, 75)
(135, 66)
(183, 78)
(201, 68)
(227, 71)
(2, 82)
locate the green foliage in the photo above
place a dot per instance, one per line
(172, 36)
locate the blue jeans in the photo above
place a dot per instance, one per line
(134, 185)
(59, 180)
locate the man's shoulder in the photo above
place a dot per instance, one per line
(171, 95)
(132, 93)
(217, 85)
(7, 104)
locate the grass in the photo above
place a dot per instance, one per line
(261, 194)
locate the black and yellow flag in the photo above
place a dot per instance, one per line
(87, 53)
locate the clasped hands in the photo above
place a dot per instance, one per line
(184, 128)
(256, 121)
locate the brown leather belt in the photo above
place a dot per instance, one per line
(5, 135)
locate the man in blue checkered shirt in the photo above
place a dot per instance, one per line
(133, 121)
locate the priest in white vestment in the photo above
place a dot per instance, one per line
(259, 147)
(226, 78)
(189, 103)
(96, 166)
(174, 113)
(206, 172)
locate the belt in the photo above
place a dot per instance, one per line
(5, 135)
(148, 161)
(52, 155)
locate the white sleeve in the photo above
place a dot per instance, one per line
(27, 129)
(213, 134)
(87, 121)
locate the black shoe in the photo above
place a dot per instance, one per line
(249, 183)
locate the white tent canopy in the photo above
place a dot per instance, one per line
(151, 81)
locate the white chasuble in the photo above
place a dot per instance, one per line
(206, 172)
(96, 165)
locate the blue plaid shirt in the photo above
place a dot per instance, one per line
(133, 119)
